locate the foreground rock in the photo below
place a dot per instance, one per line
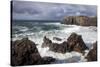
(24, 52)
(46, 42)
(76, 43)
(60, 48)
(46, 60)
(57, 39)
(92, 55)
(80, 20)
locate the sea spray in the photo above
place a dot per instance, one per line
(36, 33)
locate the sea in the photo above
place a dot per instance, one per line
(36, 30)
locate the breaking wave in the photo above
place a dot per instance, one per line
(36, 32)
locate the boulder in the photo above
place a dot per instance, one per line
(76, 43)
(92, 55)
(24, 52)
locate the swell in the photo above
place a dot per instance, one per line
(56, 30)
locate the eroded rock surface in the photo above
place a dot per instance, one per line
(92, 55)
(80, 20)
(76, 43)
(24, 52)
(73, 43)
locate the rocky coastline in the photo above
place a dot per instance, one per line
(80, 20)
(25, 52)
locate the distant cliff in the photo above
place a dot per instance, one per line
(80, 20)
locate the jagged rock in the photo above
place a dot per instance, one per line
(60, 48)
(46, 42)
(80, 20)
(76, 43)
(24, 52)
(92, 55)
(56, 38)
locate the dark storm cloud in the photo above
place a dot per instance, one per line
(20, 7)
(37, 10)
(26, 10)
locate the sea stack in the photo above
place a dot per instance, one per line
(80, 20)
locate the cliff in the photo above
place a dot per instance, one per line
(80, 20)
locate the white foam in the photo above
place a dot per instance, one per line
(89, 35)
(21, 28)
(62, 58)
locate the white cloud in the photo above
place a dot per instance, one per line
(78, 13)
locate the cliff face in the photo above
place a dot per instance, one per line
(80, 20)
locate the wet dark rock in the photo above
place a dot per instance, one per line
(60, 48)
(76, 43)
(24, 52)
(46, 42)
(46, 60)
(56, 38)
(92, 55)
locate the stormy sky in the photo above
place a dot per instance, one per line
(27, 10)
